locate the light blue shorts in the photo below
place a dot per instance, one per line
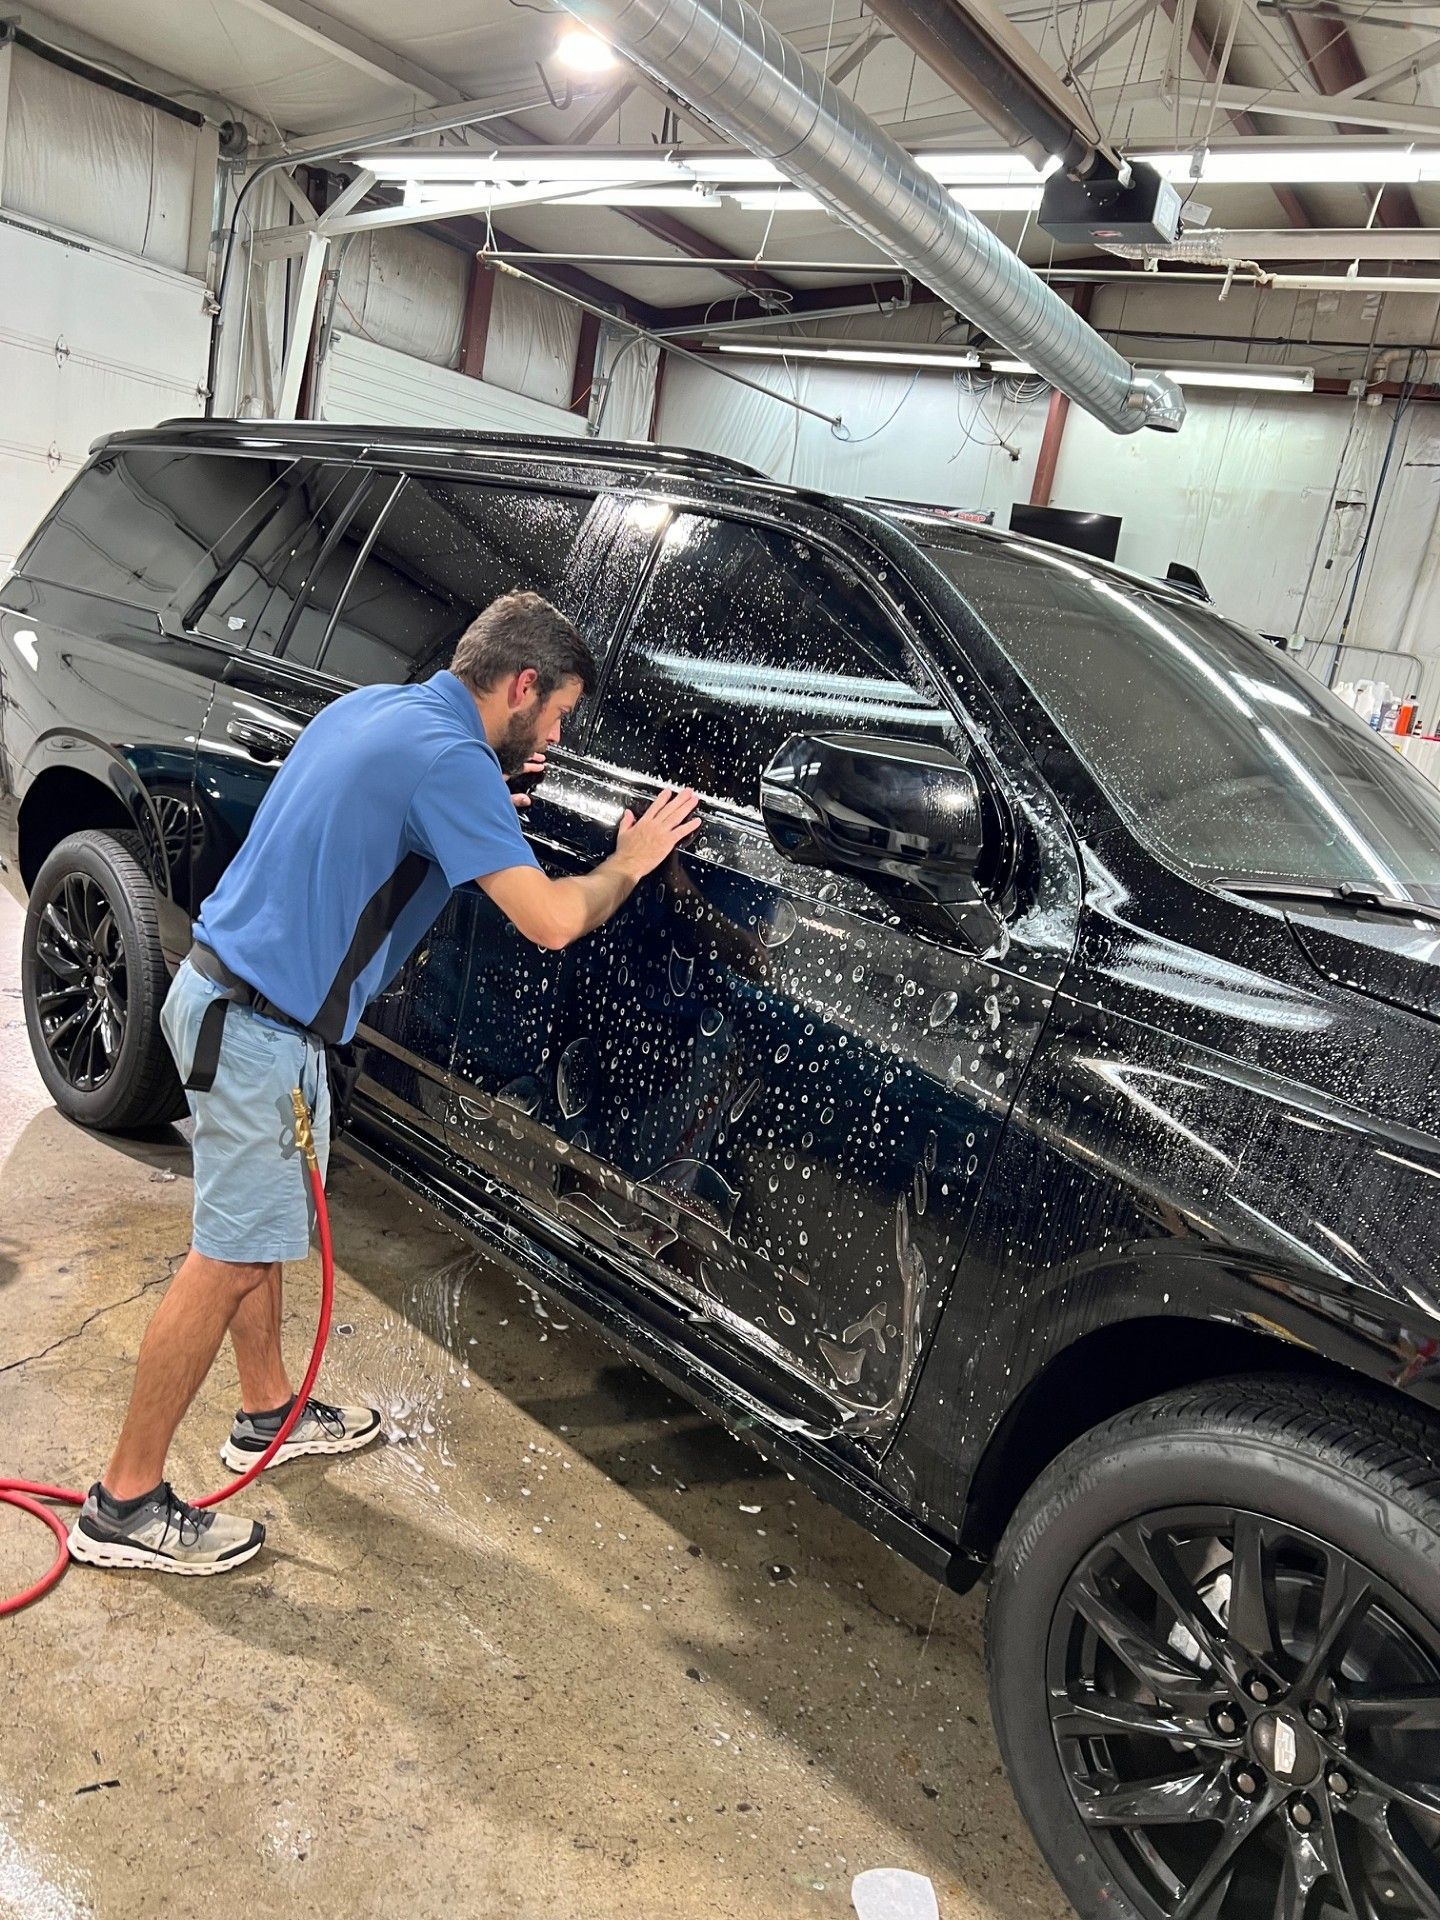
(252, 1194)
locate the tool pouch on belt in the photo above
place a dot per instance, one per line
(233, 992)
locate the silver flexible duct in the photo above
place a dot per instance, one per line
(746, 80)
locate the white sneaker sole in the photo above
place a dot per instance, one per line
(239, 1460)
(116, 1554)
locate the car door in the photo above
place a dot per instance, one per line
(776, 1097)
(583, 553)
(278, 610)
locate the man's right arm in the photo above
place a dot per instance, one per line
(553, 913)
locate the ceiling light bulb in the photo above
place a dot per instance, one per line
(584, 52)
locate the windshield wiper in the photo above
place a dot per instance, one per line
(1348, 893)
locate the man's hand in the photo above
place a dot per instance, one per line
(647, 843)
(552, 913)
(533, 769)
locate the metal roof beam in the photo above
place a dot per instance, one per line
(1410, 67)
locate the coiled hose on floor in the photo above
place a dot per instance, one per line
(31, 1496)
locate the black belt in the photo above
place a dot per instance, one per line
(235, 992)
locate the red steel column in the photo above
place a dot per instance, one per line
(586, 348)
(1055, 420)
(476, 331)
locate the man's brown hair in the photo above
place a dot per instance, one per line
(517, 631)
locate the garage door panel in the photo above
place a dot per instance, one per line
(91, 342)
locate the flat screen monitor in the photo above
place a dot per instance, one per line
(1093, 533)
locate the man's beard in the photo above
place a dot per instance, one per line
(520, 739)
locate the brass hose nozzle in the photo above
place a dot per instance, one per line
(304, 1138)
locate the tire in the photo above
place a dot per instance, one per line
(1333, 1499)
(96, 1038)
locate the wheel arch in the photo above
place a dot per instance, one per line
(88, 789)
(1105, 1372)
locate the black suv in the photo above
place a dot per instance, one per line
(1016, 1112)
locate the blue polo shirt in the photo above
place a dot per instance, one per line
(391, 797)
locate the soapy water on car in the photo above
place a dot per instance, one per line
(38, 1499)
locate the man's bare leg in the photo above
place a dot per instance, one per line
(177, 1352)
(255, 1336)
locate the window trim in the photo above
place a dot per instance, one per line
(281, 648)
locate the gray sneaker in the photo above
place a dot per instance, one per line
(320, 1429)
(164, 1534)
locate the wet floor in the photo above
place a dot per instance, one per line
(558, 1650)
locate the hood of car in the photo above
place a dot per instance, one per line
(1387, 957)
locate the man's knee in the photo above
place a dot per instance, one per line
(241, 1277)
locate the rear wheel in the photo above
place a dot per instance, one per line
(94, 979)
(1214, 1647)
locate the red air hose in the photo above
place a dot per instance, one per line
(28, 1494)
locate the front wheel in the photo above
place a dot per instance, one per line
(94, 979)
(1214, 1650)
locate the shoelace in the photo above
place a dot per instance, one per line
(189, 1522)
(332, 1419)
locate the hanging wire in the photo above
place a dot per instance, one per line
(842, 432)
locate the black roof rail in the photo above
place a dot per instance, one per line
(459, 439)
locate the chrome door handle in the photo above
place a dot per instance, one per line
(260, 741)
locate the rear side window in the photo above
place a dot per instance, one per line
(440, 554)
(136, 524)
(744, 637)
(251, 604)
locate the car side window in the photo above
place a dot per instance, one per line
(441, 552)
(138, 522)
(251, 604)
(745, 636)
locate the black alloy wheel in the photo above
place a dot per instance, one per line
(82, 988)
(94, 978)
(1249, 1722)
(1213, 1638)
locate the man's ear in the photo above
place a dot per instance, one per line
(522, 686)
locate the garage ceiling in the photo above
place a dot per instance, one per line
(1147, 74)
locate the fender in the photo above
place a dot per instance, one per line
(79, 756)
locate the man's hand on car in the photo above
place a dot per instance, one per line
(647, 843)
(533, 769)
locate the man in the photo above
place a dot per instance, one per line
(390, 798)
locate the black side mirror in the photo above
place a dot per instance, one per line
(909, 819)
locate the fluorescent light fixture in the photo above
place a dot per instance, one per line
(978, 199)
(511, 168)
(997, 199)
(985, 169)
(774, 200)
(1271, 379)
(914, 358)
(1261, 379)
(976, 178)
(1347, 162)
(584, 52)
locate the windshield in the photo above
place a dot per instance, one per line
(1219, 750)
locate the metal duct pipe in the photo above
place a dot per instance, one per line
(745, 79)
(973, 66)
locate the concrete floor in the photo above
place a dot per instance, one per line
(558, 1649)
